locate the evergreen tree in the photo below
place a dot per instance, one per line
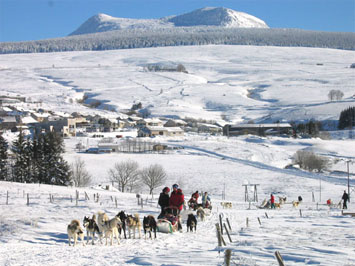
(347, 118)
(19, 167)
(57, 169)
(3, 158)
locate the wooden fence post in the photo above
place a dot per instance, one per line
(7, 197)
(279, 258)
(71, 198)
(116, 202)
(300, 213)
(219, 236)
(86, 196)
(52, 199)
(142, 203)
(267, 216)
(76, 197)
(259, 221)
(247, 222)
(111, 198)
(225, 227)
(227, 257)
(229, 225)
(221, 224)
(28, 199)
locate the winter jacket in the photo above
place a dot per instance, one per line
(205, 199)
(163, 200)
(272, 200)
(195, 195)
(345, 197)
(177, 199)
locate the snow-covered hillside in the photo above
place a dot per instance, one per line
(236, 83)
(225, 83)
(212, 16)
(311, 234)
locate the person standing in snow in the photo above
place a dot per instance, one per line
(176, 200)
(345, 199)
(272, 201)
(206, 200)
(193, 201)
(164, 201)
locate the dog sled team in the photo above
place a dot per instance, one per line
(168, 221)
(343, 203)
(271, 204)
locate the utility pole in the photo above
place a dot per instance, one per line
(347, 163)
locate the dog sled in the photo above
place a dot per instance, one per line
(168, 223)
(265, 204)
(165, 226)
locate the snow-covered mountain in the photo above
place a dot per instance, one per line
(218, 16)
(209, 16)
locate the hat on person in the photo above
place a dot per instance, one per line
(176, 186)
(166, 189)
(179, 190)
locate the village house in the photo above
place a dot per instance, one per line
(151, 122)
(175, 123)
(257, 129)
(8, 122)
(40, 116)
(160, 131)
(64, 126)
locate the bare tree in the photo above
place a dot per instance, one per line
(125, 173)
(310, 161)
(335, 95)
(153, 176)
(80, 176)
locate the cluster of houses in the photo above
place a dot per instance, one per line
(14, 117)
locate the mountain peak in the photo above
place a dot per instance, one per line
(218, 16)
(207, 16)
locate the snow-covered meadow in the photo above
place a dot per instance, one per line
(237, 82)
(36, 234)
(240, 83)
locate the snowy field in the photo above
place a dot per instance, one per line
(237, 82)
(240, 83)
(36, 234)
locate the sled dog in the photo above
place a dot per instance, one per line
(191, 222)
(149, 225)
(295, 203)
(74, 231)
(109, 227)
(282, 200)
(133, 223)
(123, 217)
(201, 213)
(226, 205)
(91, 228)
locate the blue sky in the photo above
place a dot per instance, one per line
(22, 20)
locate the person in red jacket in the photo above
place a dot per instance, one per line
(176, 200)
(272, 201)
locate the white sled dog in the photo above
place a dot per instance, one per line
(133, 223)
(201, 213)
(109, 227)
(74, 231)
